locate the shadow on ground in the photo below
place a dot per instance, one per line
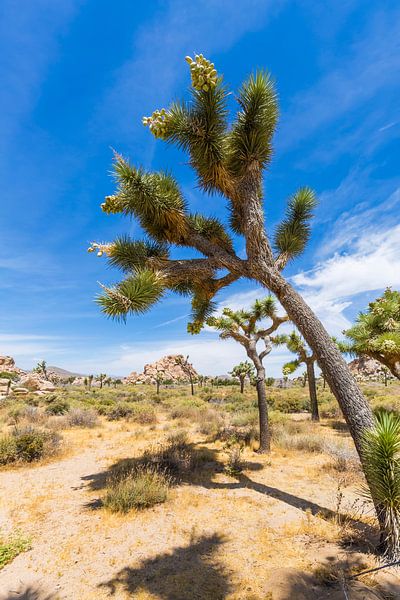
(187, 573)
(205, 464)
(28, 593)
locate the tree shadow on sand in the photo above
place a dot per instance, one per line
(29, 593)
(204, 464)
(186, 573)
(331, 580)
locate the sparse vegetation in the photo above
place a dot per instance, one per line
(138, 488)
(11, 546)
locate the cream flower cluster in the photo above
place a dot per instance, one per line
(157, 123)
(203, 73)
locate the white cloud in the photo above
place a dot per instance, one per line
(373, 265)
(209, 355)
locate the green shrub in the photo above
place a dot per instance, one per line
(58, 407)
(8, 451)
(121, 410)
(141, 488)
(11, 546)
(144, 415)
(28, 444)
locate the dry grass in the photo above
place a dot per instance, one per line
(217, 535)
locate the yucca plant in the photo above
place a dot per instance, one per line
(381, 458)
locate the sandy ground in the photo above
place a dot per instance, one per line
(256, 537)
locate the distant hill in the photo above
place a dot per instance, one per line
(63, 373)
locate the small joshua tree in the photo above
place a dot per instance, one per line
(41, 369)
(187, 368)
(247, 328)
(296, 344)
(376, 332)
(101, 378)
(90, 381)
(159, 379)
(241, 371)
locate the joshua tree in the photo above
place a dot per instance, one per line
(229, 160)
(246, 327)
(241, 371)
(187, 369)
(90, 381)
(41, 369)
(296, 344)
(102, 379)
(376, 332)
(159, 379)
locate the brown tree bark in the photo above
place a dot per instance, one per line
(265, 436)
(354, 406)
(241, 384)
(312, 390)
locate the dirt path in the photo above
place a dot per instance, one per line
(218, 538)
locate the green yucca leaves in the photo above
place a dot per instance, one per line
(381, 461)
(135, 294)
(293, 232)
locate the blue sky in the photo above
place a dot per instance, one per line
(78, 75)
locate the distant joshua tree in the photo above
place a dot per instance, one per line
(296, 344)
(247, 328)
(101, 378)
(188, 370)
(241, 371)
(376, 332)
(41, 369)
(90, 381)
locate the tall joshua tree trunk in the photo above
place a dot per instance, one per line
(242, 384)
(313, 390)
(354, 406)
(265, 437)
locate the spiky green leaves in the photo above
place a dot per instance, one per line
(250, 141)
(290, 367)
(135, 294)
(203, 73)
(132, 255)
(377, 331)
(154, 198)
(202, 309)
(381, 462)
(293, 233)
(212, 229)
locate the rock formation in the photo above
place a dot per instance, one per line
(168, 368)
(7, 365)
(365, 368)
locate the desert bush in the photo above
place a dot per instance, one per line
(80, 417)
(121, 410)
(234, 465)
(11, 546)
(238, 435)
(28, 444)
(243, 419)
(344, 458)
(58, 407)
(140, 488)
(209, 423)
(305, 442)
(144, 415)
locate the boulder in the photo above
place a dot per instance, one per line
(168, 368)
(365, 368)
(34, 382)
(7, 364)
